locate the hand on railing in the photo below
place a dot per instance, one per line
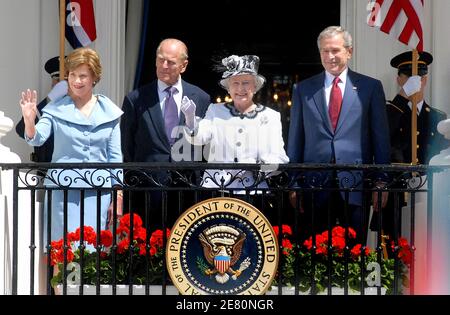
(119, 209)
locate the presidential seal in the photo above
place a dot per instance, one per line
(222, 246)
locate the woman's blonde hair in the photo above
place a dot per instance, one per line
(86, 56)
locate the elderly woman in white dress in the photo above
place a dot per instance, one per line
(237, 132)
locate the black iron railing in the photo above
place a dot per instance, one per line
(160, 192)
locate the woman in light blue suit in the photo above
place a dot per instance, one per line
(86, 129)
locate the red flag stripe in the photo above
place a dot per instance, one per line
(393, 23)
(87, 18)
(414, 24)
(391, 17)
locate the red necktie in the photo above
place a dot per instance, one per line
(334, 107)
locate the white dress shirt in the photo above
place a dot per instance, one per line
(328, 84)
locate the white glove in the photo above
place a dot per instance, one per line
(59, 90)
(188, 108)
(413, 85)
(444, 128)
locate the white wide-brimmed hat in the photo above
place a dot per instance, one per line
(239, 65)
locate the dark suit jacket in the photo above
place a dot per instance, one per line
(142, 124)
(44, 152)
(361, 136)
(429, 140)
(144, 140)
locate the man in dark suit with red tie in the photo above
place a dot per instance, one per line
(149, 124)
(338, 116)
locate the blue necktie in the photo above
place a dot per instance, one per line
(171, 119)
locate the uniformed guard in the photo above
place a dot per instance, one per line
(59, 89)
(429, 141)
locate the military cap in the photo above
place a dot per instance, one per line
(403, 62)
(52, 67)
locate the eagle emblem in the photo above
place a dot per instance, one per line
(222, 248)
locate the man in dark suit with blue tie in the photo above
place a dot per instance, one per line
(149, 123)
(338, 116)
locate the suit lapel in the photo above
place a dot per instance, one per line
(156, 115)
(319, 100)
(349, 97)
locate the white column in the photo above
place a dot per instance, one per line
(440, 253)
(439, 270)
(110, 44)
(6, 156)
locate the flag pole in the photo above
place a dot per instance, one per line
(62, 37)
(415, 58)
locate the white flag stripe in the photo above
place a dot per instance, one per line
(81, 35)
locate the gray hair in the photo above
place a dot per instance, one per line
(332, 31)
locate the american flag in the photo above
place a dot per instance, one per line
(80, 23)
(402, 19)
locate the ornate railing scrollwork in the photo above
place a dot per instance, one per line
(222, 176)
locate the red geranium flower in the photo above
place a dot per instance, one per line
(130, 255)
(299, 263)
